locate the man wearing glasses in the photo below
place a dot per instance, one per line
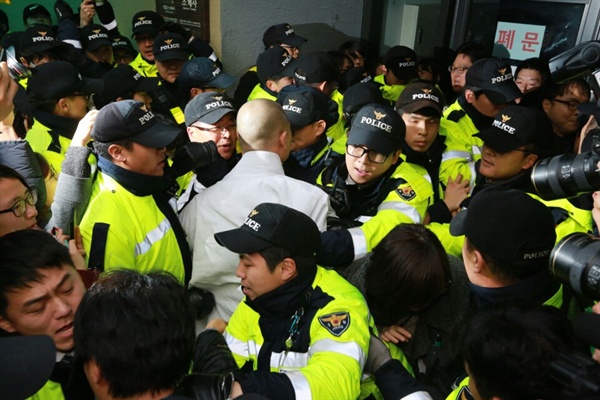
(560, 103)
(372, 190)
(489, 88)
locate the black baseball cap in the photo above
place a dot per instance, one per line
(146, 22)
(203, 72)
(402, 61)
(275, 62)
(419, 95)
(208, 108)
(494, 78)
(377, 127)
(121, 42)
(94, 36)
(170, 46)
(26, 363)
(303, 107)
(121, 80)
(281, 33)
(58, 79)
(269, 225)
(357, 75)
(315, 67)
(132, 120)
(37, 39)
(507, 224)
(517, 126)
(359, 95)
(33, 9)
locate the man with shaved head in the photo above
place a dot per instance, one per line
(265, 138)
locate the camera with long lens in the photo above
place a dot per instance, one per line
(575, 261)
(16, 69)
(569, 175)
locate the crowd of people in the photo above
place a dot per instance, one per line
(334, 227)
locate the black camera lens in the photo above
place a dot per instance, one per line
(566, 176)
(575, 261)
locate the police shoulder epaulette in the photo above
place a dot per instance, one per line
(456, 115)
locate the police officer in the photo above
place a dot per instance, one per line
(372, 190)
(309, 114)
(489, 88)
(420, 105)
(129, 221)
(275, 70)
(298, 322)
(401, 69)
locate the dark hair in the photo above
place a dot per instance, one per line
(509, 272)
(538, 64)
(139, 329)
(430, 64)
(508, 350)
(337, 59)
(352, 47)
(274, 255)
(39, 102)
(408, 268)
(101, 149)
(552, 90)
(475, 51)
(9, 173)
(22, 255)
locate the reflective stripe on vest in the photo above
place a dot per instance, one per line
(152, 237)
(359, 241)
(300, 384)
(403, 208)
(450, 155)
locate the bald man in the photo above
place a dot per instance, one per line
(265, 138)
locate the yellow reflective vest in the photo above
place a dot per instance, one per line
(144, 67)
(463, 149)
(259, 93)
(332, 366)
(389, 92)
(139, 235)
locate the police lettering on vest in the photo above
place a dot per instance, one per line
(375, 123)
(503, 126)
(146, 117)
(255, 226)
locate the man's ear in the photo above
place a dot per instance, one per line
(194, 92)
(62, 106)
(116, 152)
(396, 156)
(469, 95)
(531, 160)
(271, 85)
(321, 125)
(546, 105)
(7, 325)
(92, 371)
(288, 269)
(479, 263)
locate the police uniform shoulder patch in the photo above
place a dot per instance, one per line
(456, 115)
(406, 192)
(336, 323)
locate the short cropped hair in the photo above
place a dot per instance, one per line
(101, 149)
(274, 255)
(509, 348)
(553, 90)
(409, 267)
(22, 255)
(139, 330)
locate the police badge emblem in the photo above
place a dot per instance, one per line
(336, 323)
